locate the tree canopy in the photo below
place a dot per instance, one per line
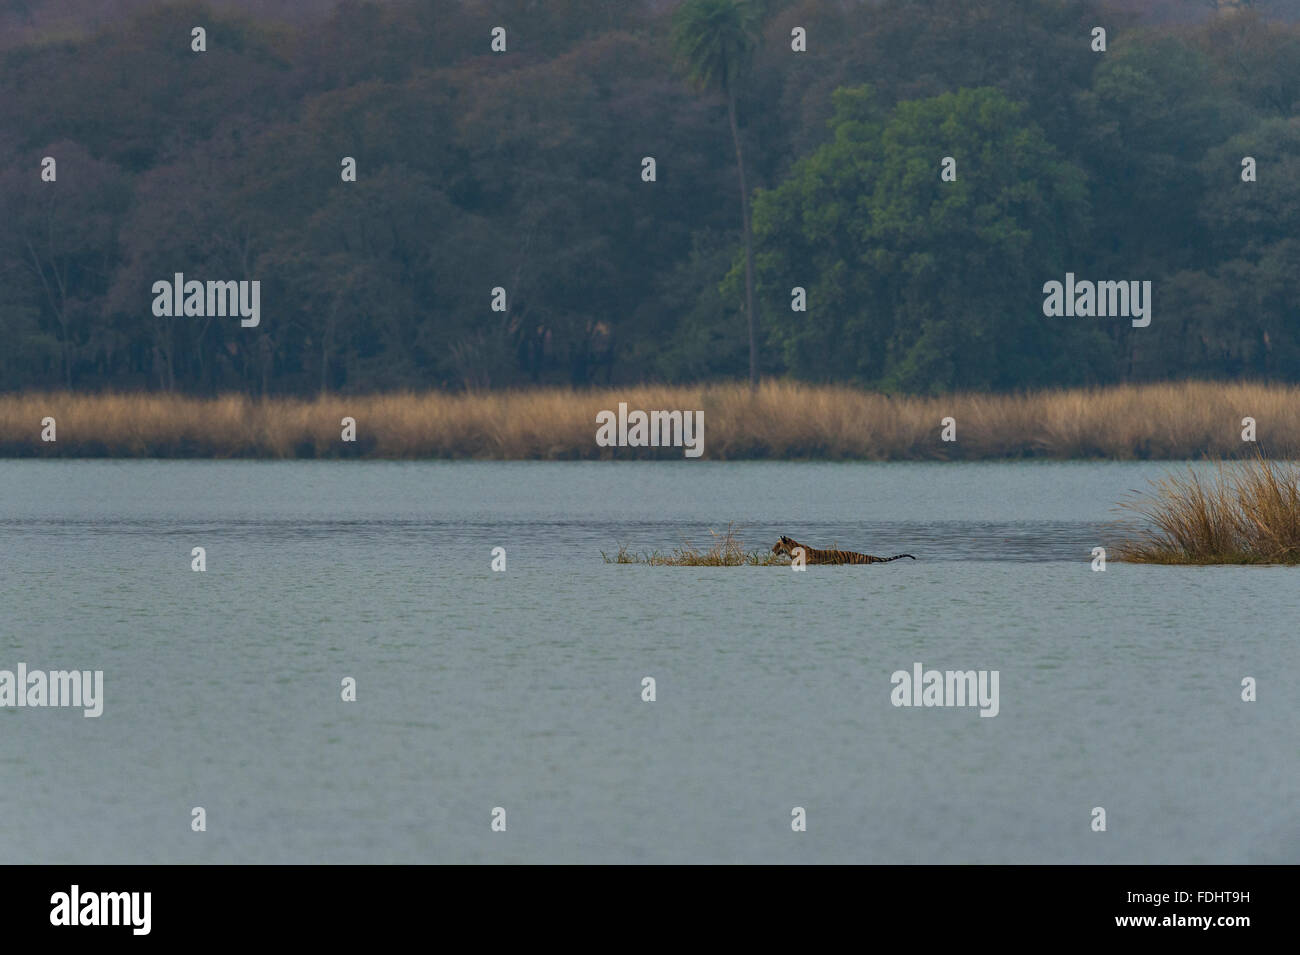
(521, 170)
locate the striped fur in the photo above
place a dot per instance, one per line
(814, 556)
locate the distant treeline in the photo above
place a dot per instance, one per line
(522, 171)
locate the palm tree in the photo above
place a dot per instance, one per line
(714, 41)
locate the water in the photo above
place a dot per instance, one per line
(522, 690)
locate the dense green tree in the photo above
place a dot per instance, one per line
(919, 284)
(1237, 317)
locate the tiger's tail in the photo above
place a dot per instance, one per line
(885, 560)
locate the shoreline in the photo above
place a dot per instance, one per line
(781, 421)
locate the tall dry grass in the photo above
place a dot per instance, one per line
(780, 420)
(1245, 512)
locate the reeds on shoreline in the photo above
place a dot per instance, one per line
(727, 550)
(1246, 512)
(782, 420)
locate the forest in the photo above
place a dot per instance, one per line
(501, 232)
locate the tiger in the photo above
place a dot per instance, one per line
(814, 556)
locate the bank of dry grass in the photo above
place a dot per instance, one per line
(1244, 512)
(781, 420)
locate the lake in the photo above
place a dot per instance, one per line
(523, 690)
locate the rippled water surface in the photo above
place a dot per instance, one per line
(523, 689)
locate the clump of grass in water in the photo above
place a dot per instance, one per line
(727, 551)
(1246, 513)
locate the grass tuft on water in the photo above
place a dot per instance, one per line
(727, 551)
(1246, 512)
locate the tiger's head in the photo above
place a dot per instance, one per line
(784, 546)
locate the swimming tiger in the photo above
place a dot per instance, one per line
(814, 556)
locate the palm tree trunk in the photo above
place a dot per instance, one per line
(749, 244)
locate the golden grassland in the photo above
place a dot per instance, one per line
(727, 550)
(1244, 512)
(782, 420)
